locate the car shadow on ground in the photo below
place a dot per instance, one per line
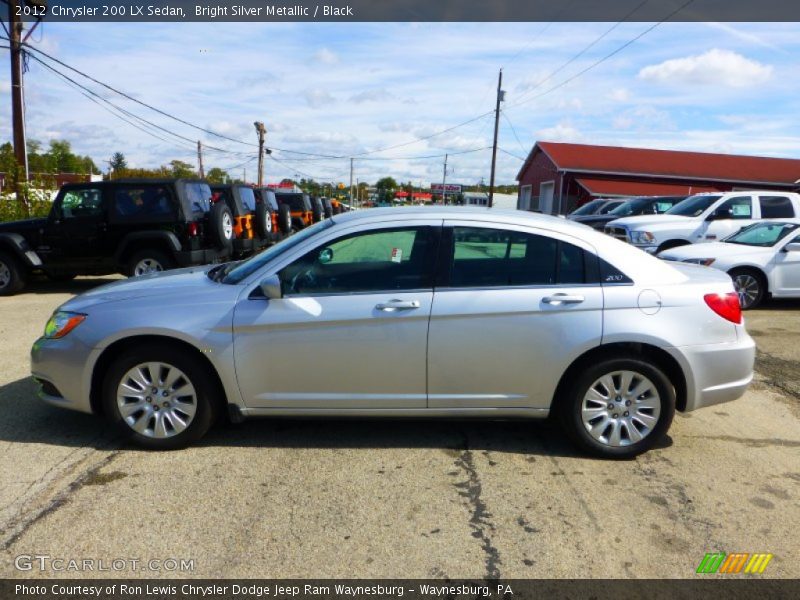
(28, 420)
(777, 304)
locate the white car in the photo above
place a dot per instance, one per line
(704, 218)
(761, 259)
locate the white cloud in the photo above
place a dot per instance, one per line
(644, 118)
(620, 95)
(326, 56)
(562, 132)
(317, 98)
(375, 95)
(715, 67)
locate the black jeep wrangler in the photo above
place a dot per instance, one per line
(124, 226)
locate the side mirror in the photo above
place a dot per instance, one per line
(719, 214)
(792, 247)
(325, 256)
(271, 287)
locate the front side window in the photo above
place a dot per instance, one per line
(368, 261)
(776, 207)
(82, 203)
(497, 258)
(144, 203)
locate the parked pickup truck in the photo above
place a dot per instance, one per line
(702, 218)
(123, 226)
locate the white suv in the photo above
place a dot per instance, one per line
(704, 218)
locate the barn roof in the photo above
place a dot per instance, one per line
(583, 158)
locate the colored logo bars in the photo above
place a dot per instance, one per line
(739, 562)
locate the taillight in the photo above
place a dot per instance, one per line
(193, 229)
(726, 306)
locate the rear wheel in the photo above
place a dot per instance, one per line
(159, 397)
(750, 285)
(263, 221)
(221, 220)
(316, 213)
(12, 275)
(145, 262)
(285, 218)
(618, 408)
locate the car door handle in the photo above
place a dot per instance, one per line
(559, 299)
(395, 305)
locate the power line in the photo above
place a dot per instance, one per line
(514, 131)
(606, 57)
(511, 154)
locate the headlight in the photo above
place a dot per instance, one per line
(61, 323)
(641, 237)
(706, 262)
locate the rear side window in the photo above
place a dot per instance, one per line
(776, 207)
(198, 196)
(143, 203)
(498, 258)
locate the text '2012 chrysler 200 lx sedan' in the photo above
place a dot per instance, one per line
(441, 312)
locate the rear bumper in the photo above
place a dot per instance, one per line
(716, 373)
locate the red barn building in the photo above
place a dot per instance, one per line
(558, 177)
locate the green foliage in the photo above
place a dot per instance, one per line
(217, 175)
(118, 161)
(39, 205)
(179, 168)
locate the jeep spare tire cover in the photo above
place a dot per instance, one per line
(316, 212)
(263, 221)
(285, 218)
(222, 225)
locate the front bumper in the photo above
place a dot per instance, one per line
(716, 373)
(60, 367)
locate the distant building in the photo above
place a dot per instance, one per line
(53, 180)
(558, 177)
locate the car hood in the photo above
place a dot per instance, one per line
(157, 289)
(650, 222)
(713, 250)
(22, 226)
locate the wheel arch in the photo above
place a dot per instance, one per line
(131, 243)
(758, 270)
(114, 350)
(672, 243)
(16, 245)
(661, 358)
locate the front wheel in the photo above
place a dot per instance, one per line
(159, 397)
(12, 275)
(750, 286)
(618, 408)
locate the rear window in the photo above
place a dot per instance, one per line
(296, 202)
(198, 198)
(776, 207)
(248, 198)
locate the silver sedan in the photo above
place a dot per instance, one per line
(428, 312)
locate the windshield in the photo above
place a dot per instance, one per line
(588, 209)
(761, 234)
(693, 206)
(248, 267)
(631, 207)
(607, 208)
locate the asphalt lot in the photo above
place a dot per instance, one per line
(412, 499)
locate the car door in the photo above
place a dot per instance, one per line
(76, 233)
(514, 307)
(350, 330)
(728, 217)
(786, 269)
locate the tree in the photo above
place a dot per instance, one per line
(182, 169)
(118, 161)
(386, 184)
(217, 175)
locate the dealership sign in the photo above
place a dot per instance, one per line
(449, 188)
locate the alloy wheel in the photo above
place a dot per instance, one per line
(147, 265)
(156, 400)
(5, 275)
(621, 408)
(227, 226)
(748, 288)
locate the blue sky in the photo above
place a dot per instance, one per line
(343, 89)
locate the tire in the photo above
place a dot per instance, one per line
(750, 285)
(263, 221)
(671, 244)
(285, 219)
(221, 220)
(328, 209)
(145, 262)
(176, 420)
(298, 224)
(12, 275)
(614, 439)
(316, 213)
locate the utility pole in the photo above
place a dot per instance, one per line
(500, 94)
(17, 103)
(262, 132)
(444, 181)
(200, 160)
(352, 205)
